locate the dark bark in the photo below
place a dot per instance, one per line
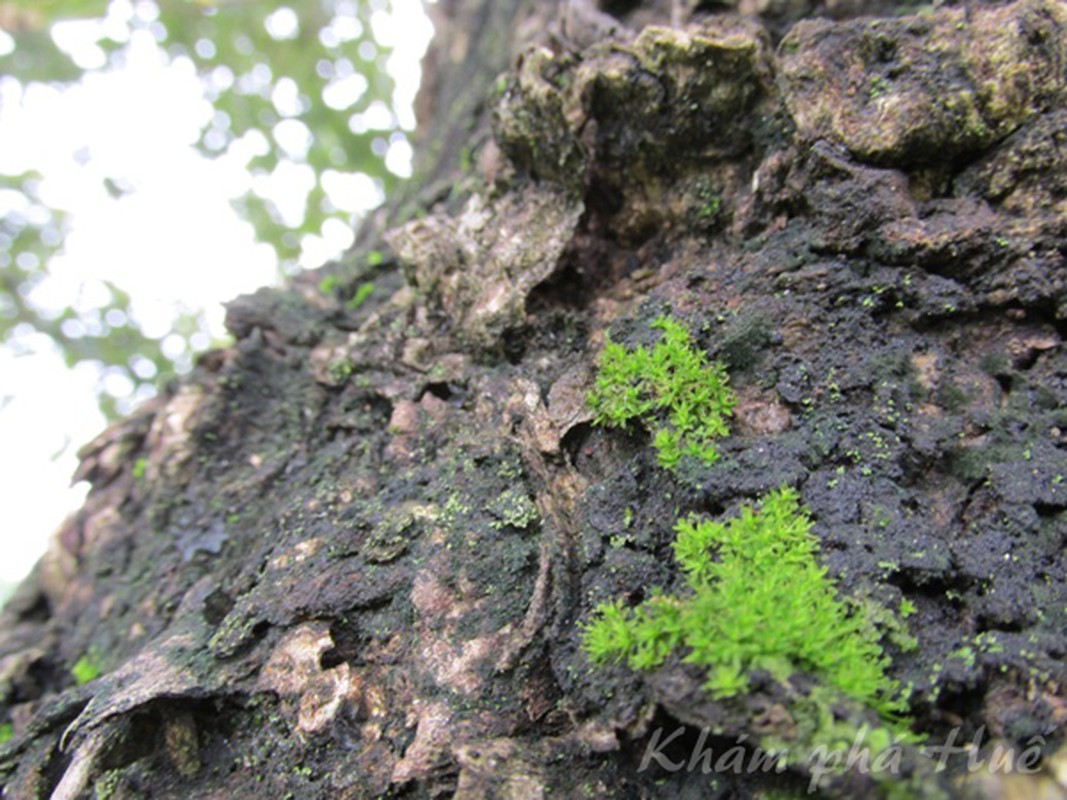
(350, 555)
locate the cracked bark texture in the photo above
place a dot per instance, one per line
(349, 555)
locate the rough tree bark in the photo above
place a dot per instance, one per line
(350, 555)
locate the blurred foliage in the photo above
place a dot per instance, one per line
(306, 82)
(103, 331)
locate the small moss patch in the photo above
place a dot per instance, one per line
(513, 508)
(87, 668)
(756, 598)
(363, 291)
(671, 389)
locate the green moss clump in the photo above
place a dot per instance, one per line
(341, 370)
(512, 508)
(363, 291)
(671, 388)
(87, 668)
(756, 599)
(328, 284)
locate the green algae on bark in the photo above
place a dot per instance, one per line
(922, 89)
(408, 539)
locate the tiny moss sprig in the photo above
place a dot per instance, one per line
(363, 291)
(756, 598)
(86, 668)
(671, 389)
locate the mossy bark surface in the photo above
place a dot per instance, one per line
(349, 556)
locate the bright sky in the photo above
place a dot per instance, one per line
(173, 244)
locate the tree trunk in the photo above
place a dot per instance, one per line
(352, 554)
